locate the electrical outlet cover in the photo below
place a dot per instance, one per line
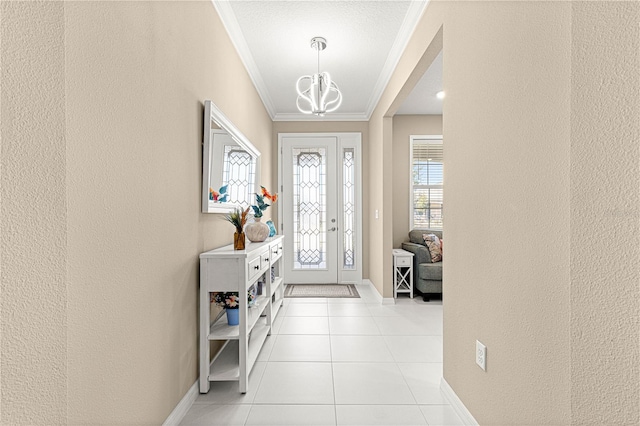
(481, 355)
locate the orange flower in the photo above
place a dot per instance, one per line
(213, 195)
(266, 194)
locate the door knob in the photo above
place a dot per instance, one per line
(332, 229)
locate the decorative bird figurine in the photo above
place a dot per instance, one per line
(220, 196)
(268, 195)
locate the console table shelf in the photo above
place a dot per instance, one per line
(226, 366)
(276, 285)
(220, 330)
(228, 270)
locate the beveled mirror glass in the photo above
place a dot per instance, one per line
(230, 164)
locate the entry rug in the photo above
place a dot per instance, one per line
(321, 290)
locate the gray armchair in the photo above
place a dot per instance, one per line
(427, 276)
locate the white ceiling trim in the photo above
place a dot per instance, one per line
(237, 38)
(334, 116)
(411, 19)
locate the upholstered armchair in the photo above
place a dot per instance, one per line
(427, 275)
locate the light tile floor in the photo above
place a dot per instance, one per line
(340, 362)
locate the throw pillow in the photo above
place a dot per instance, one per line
(441, 247)
(433, 244)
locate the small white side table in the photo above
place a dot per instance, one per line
(402, 272)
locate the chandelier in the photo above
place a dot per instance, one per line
(321, 94)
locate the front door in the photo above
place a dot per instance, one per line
(320, 188)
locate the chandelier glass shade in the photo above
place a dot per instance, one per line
(317, 93)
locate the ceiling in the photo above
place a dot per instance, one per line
(423, 100)
(365, 40)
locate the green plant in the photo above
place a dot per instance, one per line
(237, 218)
(261, 205)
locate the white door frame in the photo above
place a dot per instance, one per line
(344, 140)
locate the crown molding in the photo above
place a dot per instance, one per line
(230, 24)
(411, 19)
(334, 116)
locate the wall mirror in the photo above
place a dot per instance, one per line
(230, 164)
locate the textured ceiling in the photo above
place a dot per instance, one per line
(364, 42)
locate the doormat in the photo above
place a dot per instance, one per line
(321, 290)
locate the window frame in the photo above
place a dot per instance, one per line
(422, 140)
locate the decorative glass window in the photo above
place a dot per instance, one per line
(239, 172)
(349, 204)
(309, 208)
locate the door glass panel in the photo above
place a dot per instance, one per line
(349, 204)
(309, 208)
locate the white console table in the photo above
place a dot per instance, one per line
(402, 272)
(229, 270)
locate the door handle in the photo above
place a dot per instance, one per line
(333, 229)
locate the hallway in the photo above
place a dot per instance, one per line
(340, 362)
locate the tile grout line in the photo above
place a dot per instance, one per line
(333, 376)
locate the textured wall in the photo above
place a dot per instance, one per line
(101, 224)
(327, 127)
(507, 276)
(137, 74)
(33, 254)
(541, 124)
(605, 213)
(404, 126)
(506, 127)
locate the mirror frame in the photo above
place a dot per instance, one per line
(213, 114)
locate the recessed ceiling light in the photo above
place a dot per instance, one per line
(440, 94)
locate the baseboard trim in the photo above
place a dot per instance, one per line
(456, 404)
(388, 301)
(367, 281)
(183, 406)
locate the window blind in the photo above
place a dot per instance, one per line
(427, 166)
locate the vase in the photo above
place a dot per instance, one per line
(256, 231)
(233, 316)
(272, 228)
(238, 241)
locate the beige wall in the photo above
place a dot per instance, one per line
(105, 253)
(507, 163)
(605, 207)
(33, 218)
(334, 127)
(542, 158)
(380, 182)
(405, 126)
